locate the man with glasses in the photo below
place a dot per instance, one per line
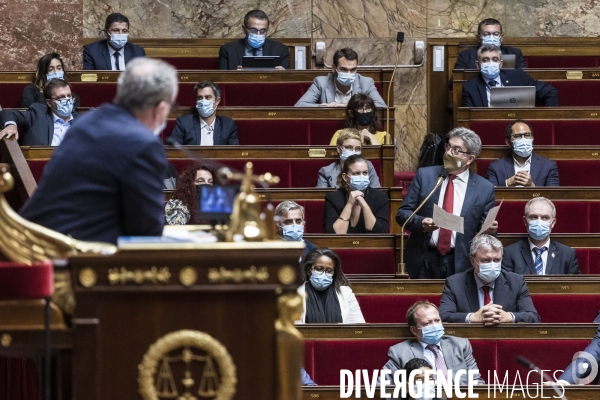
(522, 167)
(255, 43)
(42, 124)
(489, 31)
(477, 90)
(432, 252)
(538, 254)
(114, 52)
(336, 89)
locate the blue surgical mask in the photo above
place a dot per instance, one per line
(118, 40)
(359, 182)
(205, 108)
(345, 78)
(256, 41)
(347, 153)
(428, 394)
(292, 232)
(488, 272)
(320, 280)
(490, 70)
(64, 107)
(538, 229)
(523, 147)
(495, 40)
(432, 334)
(55, 75)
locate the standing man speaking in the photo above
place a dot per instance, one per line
(105, 179)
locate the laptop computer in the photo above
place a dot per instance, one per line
(512, 96)
(260, 62)
(508, 61)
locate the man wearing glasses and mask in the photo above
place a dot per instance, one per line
(255, 43)
(522, 167)
(432, 252)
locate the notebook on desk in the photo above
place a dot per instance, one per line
(512, 96)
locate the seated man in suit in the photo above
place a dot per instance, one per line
(205, 128)
(443, 352)
(538, 255)
(489, 31)
(580, 370)
(289, 217)
(522, 167)
(336, 89)
(476, 91)
(42, 124)
(433, 252)
(485, 294)
(114, 52)
(256, 26)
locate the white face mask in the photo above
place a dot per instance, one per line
(488, 272)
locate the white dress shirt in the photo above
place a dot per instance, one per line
(460, 189)
(207, 133)
(544, 254)
(526, 166)
(342, 98)
(112, 52)
(487, 86)
(60, 129)
(481, 296)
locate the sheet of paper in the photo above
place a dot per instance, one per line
(491, 217)
(446, 220)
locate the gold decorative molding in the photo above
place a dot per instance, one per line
(290, 346)
(88, 277)
(123, 276)
(188, 276)
(317, 153)
(218, 386)
(5, 340)
(253, 275)
(286, 275)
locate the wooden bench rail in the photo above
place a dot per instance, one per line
(552, 152)
(465, 114)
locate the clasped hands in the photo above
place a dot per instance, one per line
(521, 178)
(490, 314)
(357, 198)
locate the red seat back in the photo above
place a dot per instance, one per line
(558, 308)
(367, 261)
(511, 217)
(561, 62)
(390, 308)
(493, 133)
(21, 281)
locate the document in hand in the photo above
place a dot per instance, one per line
(448, 221)
(491, 217)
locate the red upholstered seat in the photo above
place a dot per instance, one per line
(561, 62)
(575, 132)
(20, 281)
(485, 354)
(314, 211)
(281, 94)
(273, 132)
(403, 180)
(321, 131)
(10, 95)
(92, 94)
(571, 172)
(577, 93)
(367, 261)
(493, 133)
(482, 166)
(390, 308)
(558, 308)
(583, 258)
(37, 168)
(593, 264)
(511, 217)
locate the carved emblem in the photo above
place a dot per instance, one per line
(187, 365)
(123, 275)
(188, 276)
(87, 277)
(253, 274)
(286, 275)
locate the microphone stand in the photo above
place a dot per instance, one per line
(523, 361)
(401, 267)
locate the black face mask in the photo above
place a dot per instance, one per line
(363, 119)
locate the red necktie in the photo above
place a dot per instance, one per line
(445, 238)
(486, 295)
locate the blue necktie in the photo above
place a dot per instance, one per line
(492, 83)
(539, 265)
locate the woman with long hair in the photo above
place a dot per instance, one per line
(326, 290)
(50, 66)
(362, 116)
(183, 209)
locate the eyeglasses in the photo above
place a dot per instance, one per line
(365, 110)
(69, 97)
(517, 136)
(350, 148)
(455, 151)
(254, 31)
(488, 34)
(321, 269)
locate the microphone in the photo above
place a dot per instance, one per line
(402, 266)
(530, 365)
(399, 40)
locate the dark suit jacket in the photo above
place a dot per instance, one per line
(230, 54)
(518, 258)
(467, 58)
(36, 125)
(544, 172)
(479, 198)
(594, 353)
(96, 55)
(475, 95)
(31, 95)
(187, 131)
(377, 201)
(103, 181)
(460, 297)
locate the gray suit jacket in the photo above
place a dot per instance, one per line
(328, 176)
(457, 353)
(322, 91)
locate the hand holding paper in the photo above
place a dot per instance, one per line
(490, 219)
(446, 220)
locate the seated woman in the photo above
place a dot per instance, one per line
(361, 115)
(326, 290)
(49, 67)
(348, 143)
(183, 209)
(355, 207)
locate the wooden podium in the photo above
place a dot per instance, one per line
(188, 322)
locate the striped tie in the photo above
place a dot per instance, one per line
(539, 265)
(440, 364)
